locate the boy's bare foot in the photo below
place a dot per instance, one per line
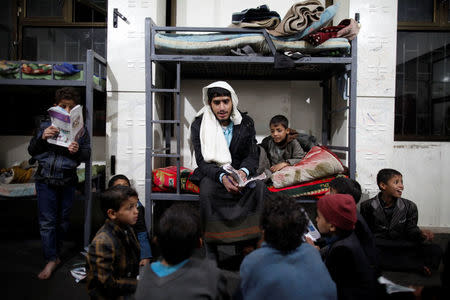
(48, 269)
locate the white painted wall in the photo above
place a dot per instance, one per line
(125, 116)
(13, 149)
(422, 164)
(262, 100)
(426, 177)
(217, 13)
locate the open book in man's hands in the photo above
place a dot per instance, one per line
(70, 125)
(235, 174)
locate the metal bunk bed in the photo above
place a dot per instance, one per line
(93, 61)
(236, 67)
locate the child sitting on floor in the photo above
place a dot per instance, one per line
(343, 185)
(285, 267)
(393, 221)
(345, 259)
(281, 148)
(140, 228)
(180, 275)
(113, 255)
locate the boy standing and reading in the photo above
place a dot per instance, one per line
(281, 148)
(56, 179)
(113, 256)
(393, 220)
(345, 259)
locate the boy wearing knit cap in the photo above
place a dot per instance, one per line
(344, 257)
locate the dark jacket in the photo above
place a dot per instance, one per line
(113, 262)
(367, 241)
(350, 269)
(292, 152)
(197, 279)
(402, 226)
(57, 166)
(243, 150)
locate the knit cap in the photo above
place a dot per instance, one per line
(339, 210)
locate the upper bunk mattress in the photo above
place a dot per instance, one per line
(222, 44)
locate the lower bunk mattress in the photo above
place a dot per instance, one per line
(23, 190)
(164, 180)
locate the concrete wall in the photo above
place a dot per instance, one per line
(125, 116)
(262, 100)
(422, 164)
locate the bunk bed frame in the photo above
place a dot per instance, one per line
(88, 66)
(236, 67)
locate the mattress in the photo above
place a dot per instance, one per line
(222, 44)
(16, 190)
(78, 76)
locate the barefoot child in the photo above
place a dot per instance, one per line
(113, 255)
(56, 179)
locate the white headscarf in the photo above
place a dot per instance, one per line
(213, 143)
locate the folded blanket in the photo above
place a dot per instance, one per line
(270, 23)
(65, 69)
(299, 17)
(317, 163)
(7, 68)
(165, 180)
(36, 69)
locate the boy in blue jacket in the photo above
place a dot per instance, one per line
(56, 179)
(285, 267)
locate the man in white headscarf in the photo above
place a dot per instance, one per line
(221, 135)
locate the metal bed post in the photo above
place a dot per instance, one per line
(325, 84)
(352, 110)
(89, 74)
(148, 123)
(178, 131)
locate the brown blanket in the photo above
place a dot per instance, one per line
(299, 17)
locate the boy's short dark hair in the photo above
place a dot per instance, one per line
(344, 185)
(179, 232)
(217, 92)
(118, 177)
(384, 175)
(114, 197)
(279, 119)
(284, 222)
(68, 93)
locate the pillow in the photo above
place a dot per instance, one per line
(317, 163)
(165, 180)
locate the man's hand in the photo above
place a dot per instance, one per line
(73, 147)
(243, 175)
(278, 167)
(50, 132)
(427, 234)
(230, 184)
(350, 31)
